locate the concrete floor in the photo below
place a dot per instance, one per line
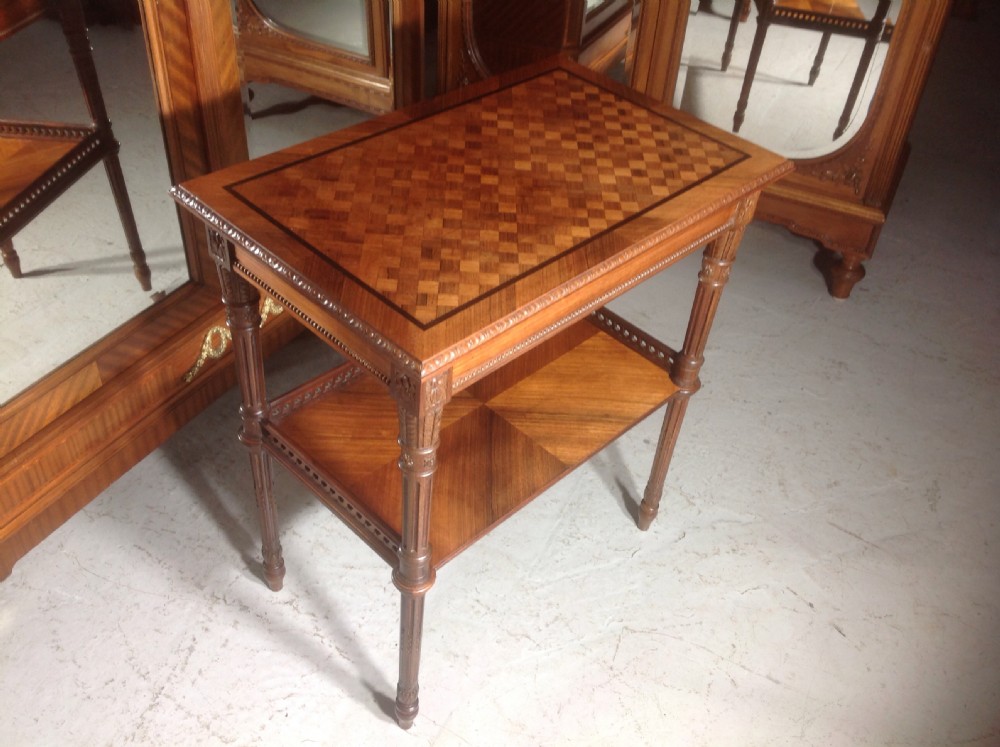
(825, 569)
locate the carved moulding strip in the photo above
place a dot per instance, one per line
(91, 147)
(372, 531)
(42, 130)
(348, 319)
(284, 406)
(470, 343)
(635, 339)
(531, 309)
(447, 357)
(333, 339)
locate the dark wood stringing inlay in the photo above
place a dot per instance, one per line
(468, 200)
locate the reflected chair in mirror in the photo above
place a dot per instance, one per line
(828, 17)
(41, 160)
(366, 54)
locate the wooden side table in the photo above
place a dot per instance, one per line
(459, 254)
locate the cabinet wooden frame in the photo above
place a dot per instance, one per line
(388, 76)
(842, 199)
(70, 435)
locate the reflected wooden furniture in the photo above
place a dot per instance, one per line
(77, 429)
(460, 254)
(479, 38)
(41, 160)
(841, 199)
(389, 75)
(828, 17)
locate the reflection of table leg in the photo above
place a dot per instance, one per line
(824, 43)
(715, 265)
(859, 78)
(10, 258)
(117, 180)
(740, 12)
(243, 314)
(420, 409)
(74, 26)
(758, 44)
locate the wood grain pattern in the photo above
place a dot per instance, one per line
(502, 441)
(613, 228)
(16, 14)
(554, 190)
(26, 158)
(605, 161)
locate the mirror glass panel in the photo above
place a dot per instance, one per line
(783, 111)
(337, 23)
(78, 283)
(284, 116)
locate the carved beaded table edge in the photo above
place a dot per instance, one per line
(459, 253)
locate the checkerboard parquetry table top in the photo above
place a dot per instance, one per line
(447, 220)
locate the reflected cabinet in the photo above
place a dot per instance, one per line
(366, 54)
(840, 197)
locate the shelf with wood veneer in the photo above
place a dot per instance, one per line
(511, 434)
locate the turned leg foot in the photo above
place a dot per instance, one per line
(669, 431)
(274, 568)
(841, 271)
(117, 180)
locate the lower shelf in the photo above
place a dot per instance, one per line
(503, 440)
(40, 161)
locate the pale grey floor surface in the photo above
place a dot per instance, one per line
(825, 570)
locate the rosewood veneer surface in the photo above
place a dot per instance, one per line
(460, 253)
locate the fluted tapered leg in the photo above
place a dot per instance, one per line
(420, 407)
(243, 315)
(715, 266)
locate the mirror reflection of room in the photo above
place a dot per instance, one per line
(774, 104)
(78, 281)
(510, 33)
(366, 54)
(338, 23)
